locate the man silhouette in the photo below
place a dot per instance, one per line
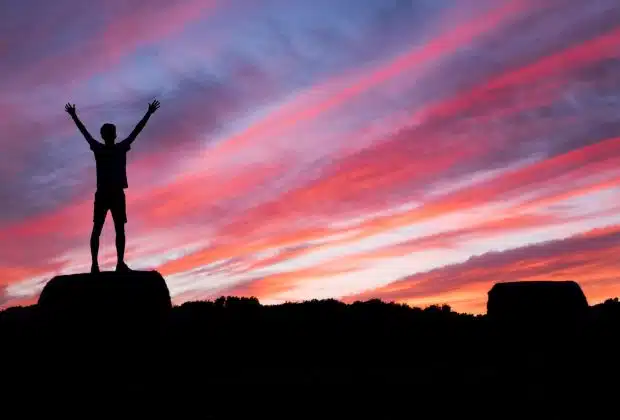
(111, 161)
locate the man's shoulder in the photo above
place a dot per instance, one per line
(123, 146)
(95, 146)
(117, 148)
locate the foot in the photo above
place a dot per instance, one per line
(122, 267)
(94, 268)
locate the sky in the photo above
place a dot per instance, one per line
(414, 151)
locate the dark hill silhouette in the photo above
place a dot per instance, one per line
(123, 329)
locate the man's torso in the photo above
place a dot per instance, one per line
(111, 162)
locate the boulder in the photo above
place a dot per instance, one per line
(105, 304)
(91, 329)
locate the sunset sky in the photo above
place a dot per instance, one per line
(415, 151)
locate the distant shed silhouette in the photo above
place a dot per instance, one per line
(540, 310)
(536, 299)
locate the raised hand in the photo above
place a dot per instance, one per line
(153, 106)
(70, 109)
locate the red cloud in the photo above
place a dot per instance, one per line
(589, 259)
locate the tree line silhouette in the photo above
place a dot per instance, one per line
(238, 340)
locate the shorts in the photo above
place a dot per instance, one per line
(114, 201)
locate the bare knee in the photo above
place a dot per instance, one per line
(120, 229)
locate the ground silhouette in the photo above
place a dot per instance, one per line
(97, 328)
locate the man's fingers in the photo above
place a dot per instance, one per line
(154, 105)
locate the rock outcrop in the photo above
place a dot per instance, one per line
(83, 306)
(102, 325)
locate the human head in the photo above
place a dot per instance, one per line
(108, 133)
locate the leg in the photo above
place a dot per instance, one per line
(99, 215)
(119, 215)
(120, 242)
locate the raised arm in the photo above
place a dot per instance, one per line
(153, 106)
(71, 111)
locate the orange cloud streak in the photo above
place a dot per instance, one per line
(589, 258)
(574, 165)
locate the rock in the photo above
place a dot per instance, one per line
(106, 304)
(103, 325)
